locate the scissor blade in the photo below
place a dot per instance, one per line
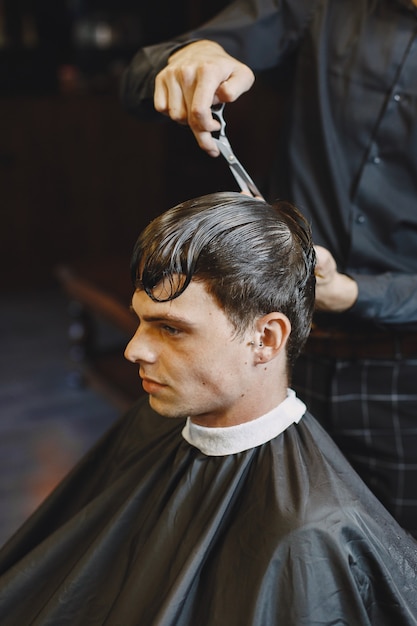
(241, 174)
(242, 177)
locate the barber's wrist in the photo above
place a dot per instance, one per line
(348, 292)
(193, 43)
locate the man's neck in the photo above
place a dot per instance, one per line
(249, 409)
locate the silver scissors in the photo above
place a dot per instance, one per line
(244, 181)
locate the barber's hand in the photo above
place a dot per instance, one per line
(197, 76)
(335, 292)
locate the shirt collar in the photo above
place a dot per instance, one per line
(234, 439)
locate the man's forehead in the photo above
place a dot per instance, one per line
(168, 286)
(165, 288)
(193, 296)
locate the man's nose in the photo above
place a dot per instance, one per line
(139, 350)
(130, 351)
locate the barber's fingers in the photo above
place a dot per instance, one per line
(187, 67)
(175, 97)
(326, 266)
(218, 79)
(196, 77)
(169, 97)
(212, 88)
(187, 94)
(239, 80)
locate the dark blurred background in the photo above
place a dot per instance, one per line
(79, 178)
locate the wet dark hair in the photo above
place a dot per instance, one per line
(254, 258)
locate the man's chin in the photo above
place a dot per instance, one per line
(166, 409)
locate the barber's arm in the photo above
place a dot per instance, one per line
(385, 299)
(184, 77)
(183, 82)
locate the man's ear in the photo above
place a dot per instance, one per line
(273, 331)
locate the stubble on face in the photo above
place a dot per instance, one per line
(199, 367)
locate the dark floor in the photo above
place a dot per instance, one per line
(46, 423)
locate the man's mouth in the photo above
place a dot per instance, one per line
(151, 386)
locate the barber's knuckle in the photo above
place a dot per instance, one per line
(228, 92)
(195, 114)
(179, 116)
(196, 120)
(186, 75)
(160, 107)
(207, 66)
(161, 78)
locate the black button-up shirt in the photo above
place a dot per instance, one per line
(351, 150)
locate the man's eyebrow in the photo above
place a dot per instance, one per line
(166, 318)
(163, 318)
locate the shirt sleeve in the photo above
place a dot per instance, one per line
(387, 299)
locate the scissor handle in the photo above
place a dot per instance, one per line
(242, 177)
(217, 112)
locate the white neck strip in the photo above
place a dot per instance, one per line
(234, 439)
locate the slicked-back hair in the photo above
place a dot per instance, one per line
(254, 258)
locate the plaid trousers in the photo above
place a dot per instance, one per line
(369, 407)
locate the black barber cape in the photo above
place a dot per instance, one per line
(148, 530)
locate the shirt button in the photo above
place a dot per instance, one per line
(397, 97)
(376, 160)
(360, 219)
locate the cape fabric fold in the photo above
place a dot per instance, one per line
(147, 530)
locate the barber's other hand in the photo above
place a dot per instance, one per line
(335, 292)
(197, 76)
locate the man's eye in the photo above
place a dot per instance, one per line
(171, 330)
